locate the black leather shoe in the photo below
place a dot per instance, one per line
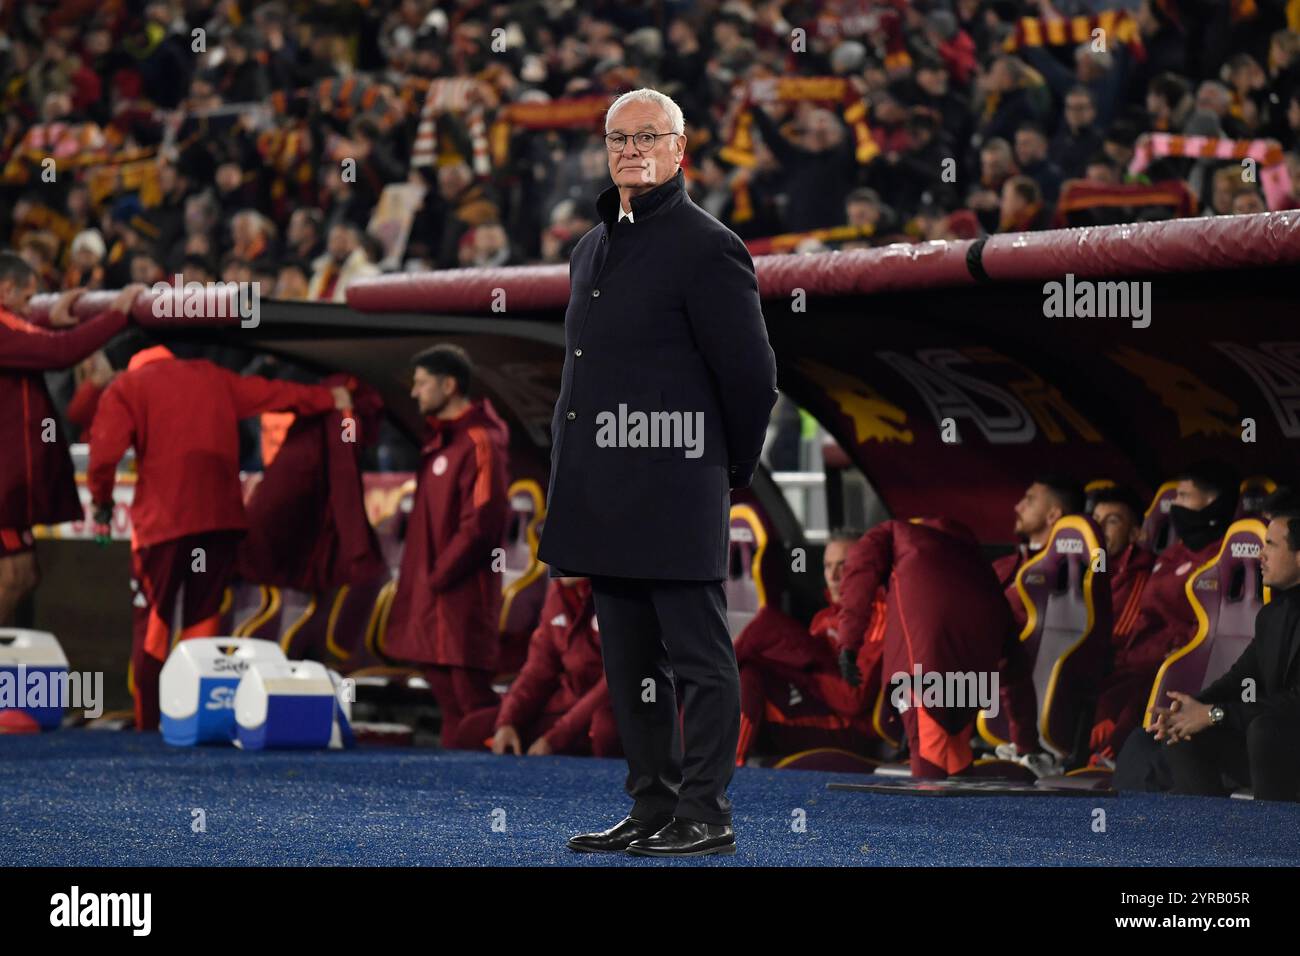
(686, 838)
(617, 837)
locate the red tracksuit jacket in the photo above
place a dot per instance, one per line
(1165, 620)
(182, 416)
(944, 610)
(37, 485)
(448, 597)
(564, 671)
(1128, 580)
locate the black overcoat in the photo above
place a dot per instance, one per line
(663, 316)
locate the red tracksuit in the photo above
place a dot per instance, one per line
(790, 679)
(182, 419)
(445, 614)
(944, 612)
(1128, 577)
(561, 692)
(1006, 568)
(37, 485)
(1163, 622)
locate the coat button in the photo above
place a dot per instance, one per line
(595, 293)
(578, 352)
(571, 416)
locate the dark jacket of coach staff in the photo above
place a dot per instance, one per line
(663, 317)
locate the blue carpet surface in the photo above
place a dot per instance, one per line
(83, 798)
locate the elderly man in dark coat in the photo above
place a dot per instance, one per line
(667, 387)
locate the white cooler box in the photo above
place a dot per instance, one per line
(198, 685)
(290, 704)
(22, 654)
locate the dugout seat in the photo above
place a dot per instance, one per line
(1067, 633)
(1090, 491)
(747, 586)
(1157, 530)
(1253, 491)
(523, 589)
(1225, 595)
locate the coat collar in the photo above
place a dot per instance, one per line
(663, 197)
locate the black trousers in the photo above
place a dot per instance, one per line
(665, 641)
(1266, 758)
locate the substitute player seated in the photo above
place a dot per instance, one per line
(559, 703)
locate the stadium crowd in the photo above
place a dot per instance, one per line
(306, 144)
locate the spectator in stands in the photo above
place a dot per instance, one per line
(1119, 512)
(559, 703)
(343, 261)
(1248, 201)
(863, 208)
(1032, 159)
(997, 165)
(1168, 103)
(817, 163)
(305, 237)
(444, 615)
(1247, 723)
(1007, 95)
(86, 270)
(791, 689)
(1022, 208)
(186, 521)
(1204, 505)
(291, 281)
(1077, 139)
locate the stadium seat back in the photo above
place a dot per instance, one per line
(1157, 530)
(1066, 633)
(1091, 490)
(1254, 490)
(524, 587)
(745, 587)
(1225, 594)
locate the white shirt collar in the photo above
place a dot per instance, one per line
(624, 215)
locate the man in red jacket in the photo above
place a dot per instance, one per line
(182, 418)
(790, 675)
(36, 474)
(1128, 565)
(1047, 499)
(559, 703)
(445, 613)
(943, 615)
(1204, 505)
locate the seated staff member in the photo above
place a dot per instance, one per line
(1204, 504)
(944, 613)
(1247, 723)
(1118, 512)
(1047, 499)
(790, 675)
(559, 703)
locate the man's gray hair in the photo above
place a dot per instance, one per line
(676, 122)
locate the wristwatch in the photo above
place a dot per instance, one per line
(1216, 714)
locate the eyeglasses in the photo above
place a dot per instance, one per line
(645, 142)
